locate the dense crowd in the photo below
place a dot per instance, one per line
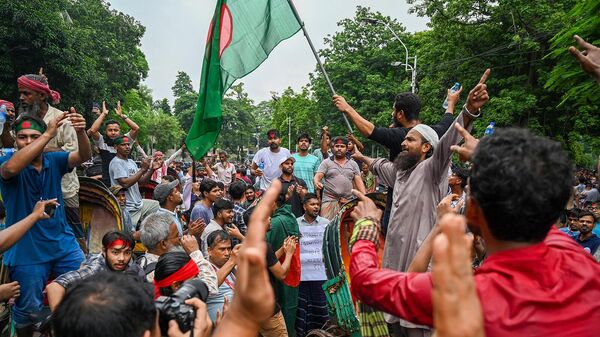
(241, 243)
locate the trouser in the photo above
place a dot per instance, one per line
(32, 280)
(396, 330)
(274, 327)
(148, 207)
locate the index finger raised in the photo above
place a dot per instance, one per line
(360, 195)
(485, 76)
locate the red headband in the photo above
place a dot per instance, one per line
(184, 273)
(118, 242)
(8, 104)
(38, 86)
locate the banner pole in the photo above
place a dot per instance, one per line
(314, 51)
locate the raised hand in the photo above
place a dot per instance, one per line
(119, 110)
(53, 125)
(254, 298)
(104, 109)
(589, 58)
(465, 151)
(365, 207)
(289, 245)
(76, 120)
(478, 96)
(445, 206)
(145, 165)
(453, 97)
(232, 230)
(341, 104)
(456, 308)
(197, 227)
(189, 243)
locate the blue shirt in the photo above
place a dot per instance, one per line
(567, 230)
(596, 229)
(48, 239)
(305, 168)
(201, 211)
(592, 243)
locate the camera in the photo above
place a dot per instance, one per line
(174, 307)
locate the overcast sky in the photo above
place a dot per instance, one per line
(176, 31)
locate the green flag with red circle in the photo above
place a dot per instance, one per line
(241, 36)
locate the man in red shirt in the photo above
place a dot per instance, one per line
(536, 280)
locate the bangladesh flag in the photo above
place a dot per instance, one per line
(241, 36)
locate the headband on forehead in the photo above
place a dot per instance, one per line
(340, 140)
(119, 242)
(7, 104)
(272, 134)
(25, 82)
(121, 140)
(186, 272)
(27, 123)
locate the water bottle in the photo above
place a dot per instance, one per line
(6, 151)
(489, 130)
(3, 117)
(454, 88)
(261, 165)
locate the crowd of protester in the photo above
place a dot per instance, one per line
(253, 233)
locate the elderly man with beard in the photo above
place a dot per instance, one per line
(341, 176)
(117, 249)
(265, 163)
(419, 179)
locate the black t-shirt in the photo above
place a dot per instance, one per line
(271, 261)
(295, 200)
(392, 138)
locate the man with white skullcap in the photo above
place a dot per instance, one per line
(418, 176)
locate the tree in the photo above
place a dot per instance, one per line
(238, 121)
(163, 105)
(295, 113)
(89, 52)
(183, 84)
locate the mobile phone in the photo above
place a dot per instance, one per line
(50, 209)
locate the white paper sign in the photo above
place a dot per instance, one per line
(311, 253)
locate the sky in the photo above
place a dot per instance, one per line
(176, 33)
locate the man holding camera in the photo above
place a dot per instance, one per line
(29, 175)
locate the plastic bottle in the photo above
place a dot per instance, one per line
(489, 130)
(6, 151)
(454, 88)
(261, 165)
(3, 117)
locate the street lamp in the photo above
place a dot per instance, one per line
(406, 64)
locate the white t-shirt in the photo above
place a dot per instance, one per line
(225, 174)
(271, 162)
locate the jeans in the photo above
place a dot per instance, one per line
(32, 279)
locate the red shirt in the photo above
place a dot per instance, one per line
(548, 289)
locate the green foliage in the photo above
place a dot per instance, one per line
(465, 37)
(238, 121)
(300, 108)
(89, 52)
(159, 130)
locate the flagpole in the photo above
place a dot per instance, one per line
(312, 47)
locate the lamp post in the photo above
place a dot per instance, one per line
(406, 64)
